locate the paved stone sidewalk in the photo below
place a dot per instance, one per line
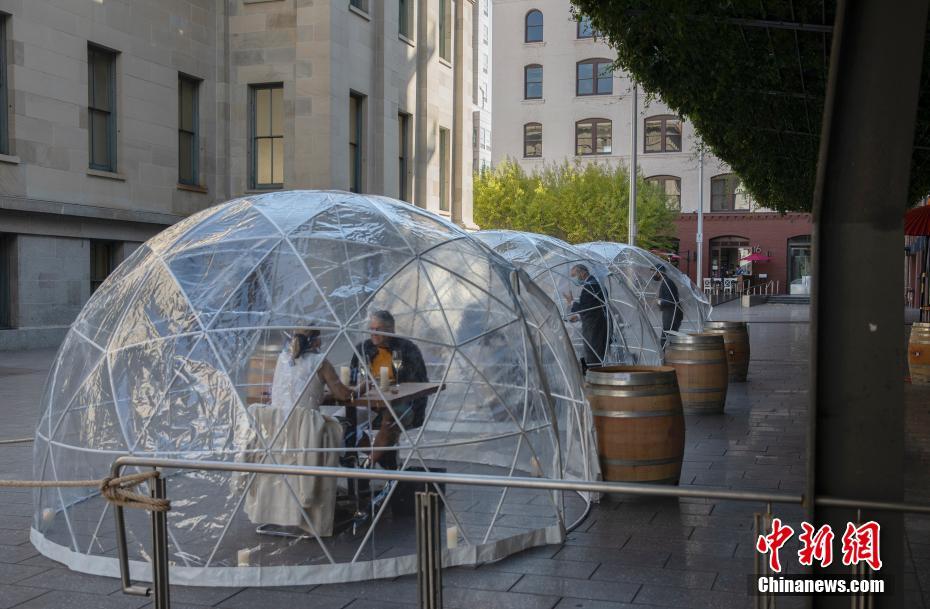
(629, 553)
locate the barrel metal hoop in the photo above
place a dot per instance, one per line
(635, 462)
(635, 414)
(695, 339)
(724, 325)
(702, 390)
(627, 379)
(625, 393)
(708, 348)
(696, 361)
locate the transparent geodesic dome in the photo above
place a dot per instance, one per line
(637, 267)
(188, 351)
(549, 261)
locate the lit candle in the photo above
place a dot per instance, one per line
(344, 375)
(385, 380)
(452, 537)
(48, 515)
(244, 557)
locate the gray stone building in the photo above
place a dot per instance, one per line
(125, 116)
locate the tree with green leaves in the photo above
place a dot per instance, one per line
(751, 77)
(572, 201)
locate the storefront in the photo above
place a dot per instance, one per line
(784, 239)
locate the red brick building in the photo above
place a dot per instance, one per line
(730, 236)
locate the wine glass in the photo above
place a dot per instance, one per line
(398, 360)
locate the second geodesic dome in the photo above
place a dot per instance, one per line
(549, 261)
(637, 268)
(176, 353)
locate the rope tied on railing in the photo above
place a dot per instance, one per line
(115, 489)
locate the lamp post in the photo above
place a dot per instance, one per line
(700, 222)
(631, 237)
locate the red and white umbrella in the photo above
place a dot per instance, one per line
(917, 222)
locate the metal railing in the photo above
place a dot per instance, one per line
(429, 553)
(769, 288)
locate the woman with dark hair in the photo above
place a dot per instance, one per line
(302, 373)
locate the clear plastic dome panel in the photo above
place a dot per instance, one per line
(228, 337)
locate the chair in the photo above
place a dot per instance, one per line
(728, 285)
(708, 286)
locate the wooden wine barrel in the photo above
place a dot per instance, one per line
(701, 364)
(260, 374)
(736, 343)
(918, 354)
(639, 422)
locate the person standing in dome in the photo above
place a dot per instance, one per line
(378, 351)
(669, 303)
(591, 307)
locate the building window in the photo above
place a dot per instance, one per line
(671, 186)
(361, 5)
(7, 272)
(188, 130)
(726, 194)
(102, 261)
(594, 77)
(534, 26)
(405, 18)
(532, 140)
(663, 134)
(585, 29)
(533, 82)
(4, 94)
(356, 125)
(593, 136)
(444, 190)
(445, 29)
(267, 127)
(403, 156)
(101, 107)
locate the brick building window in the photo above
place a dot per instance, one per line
(101, 107)
(662, 134)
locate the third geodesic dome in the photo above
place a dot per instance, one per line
(187, 351)
(637, 267)
(549, 261)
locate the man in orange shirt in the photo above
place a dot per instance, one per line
(378, 350)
